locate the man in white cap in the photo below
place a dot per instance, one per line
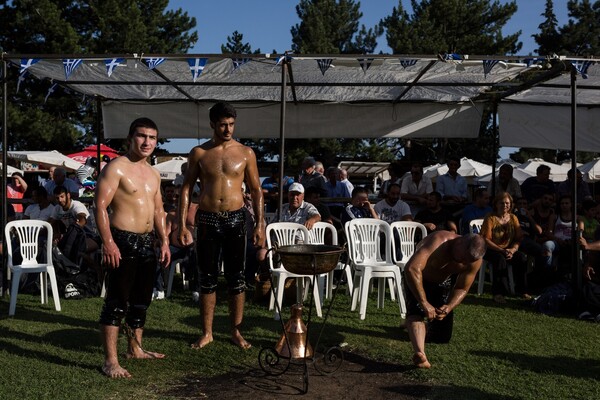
(297, 210)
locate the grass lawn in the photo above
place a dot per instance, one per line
(497, 352)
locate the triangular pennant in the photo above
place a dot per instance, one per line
(365, 63)
(408, 62)
(324, 64)
(112, 63)
(152, 63)
(238, 62)
(26, 63)
(582, 67)
(50, 91)
(71, 65)
(488, 65)
(22, 77)
(196, 66)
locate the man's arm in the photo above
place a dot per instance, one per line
(460, 290)
(160, 224)
(105, 192)
(189, 179)
(414, 277)
(258, 203)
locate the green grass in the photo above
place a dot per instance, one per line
(497, 352)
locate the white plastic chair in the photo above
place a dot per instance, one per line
(407, 231)
(365, 237)
(28, 233)
(286, 233)
(475, 227)
(317, 236)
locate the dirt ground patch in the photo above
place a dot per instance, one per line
(357, 378)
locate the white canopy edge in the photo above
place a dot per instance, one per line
(303, 120)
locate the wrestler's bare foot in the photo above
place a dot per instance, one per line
(115, 371)
(203, 341)
(143, 354)
(420, 360)
(238, 340)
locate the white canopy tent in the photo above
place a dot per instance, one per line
(49, 158)
(558, 173)
(170, 169)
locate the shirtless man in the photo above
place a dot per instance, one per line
(221, 164)
(427, 276)
(131, 187)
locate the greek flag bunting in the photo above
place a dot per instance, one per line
(50, 91)
(196, 66)
(365, 63)
(406, 62)
(488, 65)
(22, 77)
(582, 67)
(26, 63)
(238, 62)
(111, 64)
(71, 65)
(324, 64)
(452, 57)
(152, 63)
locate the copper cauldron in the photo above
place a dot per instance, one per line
(309, 259)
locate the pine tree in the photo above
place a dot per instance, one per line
(581, 35)
(548, 39)
(235, 45)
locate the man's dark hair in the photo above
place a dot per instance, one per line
(437, 195)
(41, 191)
(392, 185)
(358, 190)
(142, 122)
(541, 168)
(221, 110)
(59, 190)
(453, 158)
(479, 192)
(311, 190)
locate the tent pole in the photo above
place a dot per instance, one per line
(98, 137)
(284, 68)
(4, 172)
(495, 151)
(575, 259)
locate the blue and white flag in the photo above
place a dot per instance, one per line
(532, 61)
(238, 62)
(111, 64)
(22, 77)
(196, 66)
(408, 62)
(488, 65)
(582, 67)
(452, 57)
(50, 91)
(324, 64)
(71, 65)
(26, 63)
(152, 63)
(365, 63)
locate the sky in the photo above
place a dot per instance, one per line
(266, 25)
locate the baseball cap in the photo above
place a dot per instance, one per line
(296, 187)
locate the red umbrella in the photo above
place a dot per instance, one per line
(92, 151)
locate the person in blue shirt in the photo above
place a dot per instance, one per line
(270, 188)
(359, 207)
(478, 209)
(451, 185)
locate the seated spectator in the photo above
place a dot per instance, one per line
(564, 238)
(502, 233)
(335, 189)
(395, 172)
(15, 189)
(565, 188)
(535, 187)
(312, 196)
(505, 182)
(543, 214)
(59, 178)
(170, 197)
(391, 208)
(589, 219)
(271, 188)
(359, 207)
(479, 208)
(297, 210)
(434, 217)
(41, 208)
(311, 177)
(416, 186)
(452, 186)
(343, 178)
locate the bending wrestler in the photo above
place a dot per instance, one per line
(221, 165)
(131, 187)
(438, 257)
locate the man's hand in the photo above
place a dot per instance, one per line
(588, 272)
(111, 255)
(429, 310)
(185, 236)
(258, 237)
(441, 313)
(165, 255)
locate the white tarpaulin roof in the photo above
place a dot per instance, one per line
(391, 98)
(49, 158)
(541, 116)
(170, 169)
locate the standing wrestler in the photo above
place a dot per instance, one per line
(221, 164)
(427, 276)
(131, 187)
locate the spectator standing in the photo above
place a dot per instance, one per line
(336, 189)
(343, 178)
(535, 187)
(311, 177)
(451, 185)
(16, 190)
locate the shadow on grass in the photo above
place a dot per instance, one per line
(466, 392)
(560, 365)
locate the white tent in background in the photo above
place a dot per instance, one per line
(591, 170)
(10, 169)
(519, 174)
(558, 173)
(170, 169)
(49, 158)
(469, 169)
